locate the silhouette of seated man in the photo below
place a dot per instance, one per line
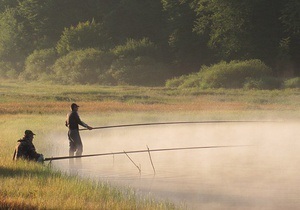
(26, 150)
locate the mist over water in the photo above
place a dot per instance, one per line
(261, 176)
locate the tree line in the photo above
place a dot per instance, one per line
(143, 42)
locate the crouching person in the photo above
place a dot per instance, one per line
(26, 150)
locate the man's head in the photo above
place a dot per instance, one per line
(74, 106)
(29, 134)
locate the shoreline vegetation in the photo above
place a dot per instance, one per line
(42, 107)
(32, 98)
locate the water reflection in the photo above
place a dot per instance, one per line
(263, 176)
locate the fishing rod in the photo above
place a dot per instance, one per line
(142, 151)
(169, 123)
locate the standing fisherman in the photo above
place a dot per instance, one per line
(26, 150)
(73, 120)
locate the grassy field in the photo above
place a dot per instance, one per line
(43, 107)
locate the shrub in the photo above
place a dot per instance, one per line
(176, 82)
(264, 83)
(82, 66)
(234, 74)
(84, 35)
(140, 70)
(38, 65)
(229, 75)
(7, 70)
(292, 83)
(193, 81)
(138, 62)
(136, 48)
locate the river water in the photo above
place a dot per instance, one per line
(262, 175)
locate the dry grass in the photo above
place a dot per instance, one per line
(114, 106)
(31, 98)
(201, 104)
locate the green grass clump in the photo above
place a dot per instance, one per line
(25, 184)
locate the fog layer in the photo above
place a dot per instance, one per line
(263, 175)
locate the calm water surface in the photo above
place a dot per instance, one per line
(264, 175)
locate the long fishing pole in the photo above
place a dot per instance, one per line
(169, 123)
(141, 151)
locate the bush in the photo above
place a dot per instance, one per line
(138, 63)
(38, 65)
(193, 81)
(292, 83)
(176, 82)
(234, 74)
(229, 75)
(264, 83)
(84, 35)
(135, 48)
(82, 66)
(7, 71)
(140, 70)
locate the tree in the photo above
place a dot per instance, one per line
(289, 47)
(245, 29)
(291, 17)
(5, 4)
(225, 22)
(84, 35)
(188, 49)
(13, 43)
(45, 20)
(133, 19)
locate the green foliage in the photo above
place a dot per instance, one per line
(187, 53)
(4, 4)
(185, 81)
(130, 19)
(225, 21)
(38, 65)
(143, 47)
(241, 30)
(140, 70)
(82, 66)
(233, 74)
(229, 75)
(138, 63)
(187, 33)
(292, 83)
(84, 35)
(290, 13)
(264, 83)
(11, 37)
(7, 70)
(176, 82)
